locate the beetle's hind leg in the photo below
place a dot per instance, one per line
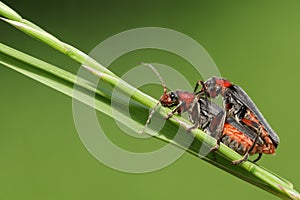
(258, 158)
(246, 156)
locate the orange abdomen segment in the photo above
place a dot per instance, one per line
(239, 142)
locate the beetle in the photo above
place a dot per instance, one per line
(209, 117)
(235, 135)
(240, 106)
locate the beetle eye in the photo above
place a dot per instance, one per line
(172, 96)
(210, 82)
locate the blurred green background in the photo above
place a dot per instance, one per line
(254, 43)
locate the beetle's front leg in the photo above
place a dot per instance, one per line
(177, 108)
(197, 85)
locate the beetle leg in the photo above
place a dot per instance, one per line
(258, 158)
(197, 85)
(246, 156)
(188, 130)
(195, 105)
(217, 146)
(170, 114)
(243, 159)
(216, 128)
(217, 124)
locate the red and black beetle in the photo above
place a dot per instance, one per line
(240, 106)
(246, 135)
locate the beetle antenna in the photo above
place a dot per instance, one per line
(158, 75)
(156, 106)
(150, 117)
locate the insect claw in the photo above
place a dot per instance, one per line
(168, 116)
(142, 131)
(189, 130)
(215, 148)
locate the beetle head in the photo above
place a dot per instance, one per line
(215, 86)
(169, 99)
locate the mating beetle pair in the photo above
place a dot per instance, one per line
(239, 125)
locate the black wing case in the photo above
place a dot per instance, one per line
(242, 96)
(216, 112)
